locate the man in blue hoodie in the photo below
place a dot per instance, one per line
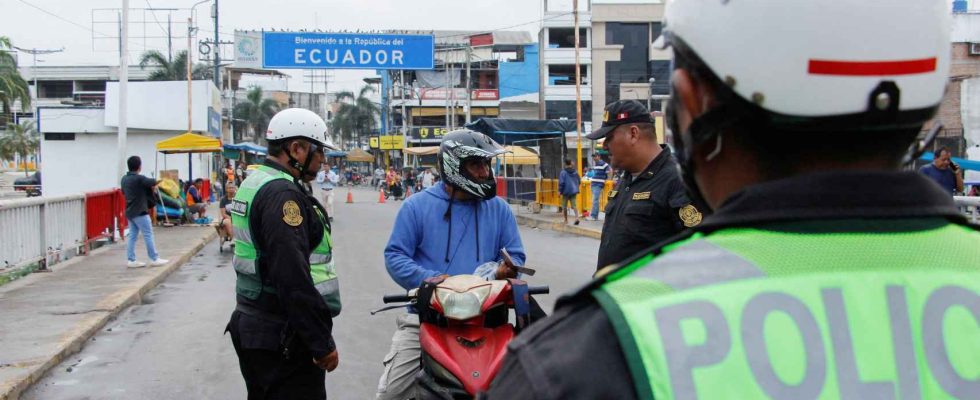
(457, 227)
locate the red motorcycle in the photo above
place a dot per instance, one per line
(464, 331)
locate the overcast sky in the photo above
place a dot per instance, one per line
(73, 21)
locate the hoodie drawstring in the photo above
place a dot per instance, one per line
(476, 216)
(449, 216)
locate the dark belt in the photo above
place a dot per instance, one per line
(260, 314)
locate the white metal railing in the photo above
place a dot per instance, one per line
(969, 205)
(40, 229)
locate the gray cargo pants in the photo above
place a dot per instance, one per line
(402, 361)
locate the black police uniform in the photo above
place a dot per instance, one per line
(645, 210)
(549, 360)
(277, 336)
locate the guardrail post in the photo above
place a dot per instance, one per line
(43, 264)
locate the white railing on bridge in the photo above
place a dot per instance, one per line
(969, 205)
(40, 229)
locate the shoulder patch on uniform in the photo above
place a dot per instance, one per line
(690, 215)
(641, 196)
(238, 207)
(291, 214)
(613, 193)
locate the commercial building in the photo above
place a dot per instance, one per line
(476, 74)
(616, 57)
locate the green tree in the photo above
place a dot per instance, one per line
(355, 118)
(176, 70)
(256, 111)
(19, 140)
(13, 87)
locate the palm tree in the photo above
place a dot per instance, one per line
(355, 119)
(13, 87)
(175, 70)
(256, 111)
(20, 139)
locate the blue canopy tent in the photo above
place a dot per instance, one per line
(247, 147)
(962, 162)
(507, 131)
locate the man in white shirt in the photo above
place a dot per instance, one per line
(327, 179)
(427, 178)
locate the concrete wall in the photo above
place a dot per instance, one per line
(72, 120)
(89, 162)
(627, 12)
(163, 105)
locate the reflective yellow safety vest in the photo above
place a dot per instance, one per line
(249, 282)
(746, 313)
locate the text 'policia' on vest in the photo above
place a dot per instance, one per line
(887, 325)
(249, 283)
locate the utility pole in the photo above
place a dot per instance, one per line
(469, 93)
(123, 89)
(170, 41)
(190, 32)
(217, 47)
(578, 96)
(401, 81)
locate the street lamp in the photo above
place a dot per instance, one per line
(190, 31)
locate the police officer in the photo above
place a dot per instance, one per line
(826, 271)
(286, 284)
(649, 204)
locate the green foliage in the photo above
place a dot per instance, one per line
(176, 70)
(355, 118)
(22, 140)
(13, 87)
(256, 111)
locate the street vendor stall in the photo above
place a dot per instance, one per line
(189, 143)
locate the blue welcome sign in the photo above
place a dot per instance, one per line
(304, 50)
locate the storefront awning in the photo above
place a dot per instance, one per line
(441, 111)
(189, 143)
(519, 155)
(422, 150)
(358, 155)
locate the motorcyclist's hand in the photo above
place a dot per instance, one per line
(506, 270)
(328, 362)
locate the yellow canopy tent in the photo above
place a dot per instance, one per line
(519, 155)
(189, 143)
(358, 155)
(421, 150)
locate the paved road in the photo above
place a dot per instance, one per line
(172, 347)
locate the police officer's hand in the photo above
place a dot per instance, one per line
(328, 362)
(506, 270)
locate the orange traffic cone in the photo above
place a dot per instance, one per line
(381, 196)
(350, 197)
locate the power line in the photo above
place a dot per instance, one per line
(154, 14)
(63, 18)
(507, 27)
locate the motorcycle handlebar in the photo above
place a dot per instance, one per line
(396, 298)
(538, 290)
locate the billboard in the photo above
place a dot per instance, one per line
(308, 50)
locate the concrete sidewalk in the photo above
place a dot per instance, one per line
(550, 218)
(47, 317)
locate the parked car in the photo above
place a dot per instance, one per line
(30, 184)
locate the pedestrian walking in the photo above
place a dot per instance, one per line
(568, 186)
(139, 193)
(286, 290)
(650, 203)
(598, 174)
(823, 257)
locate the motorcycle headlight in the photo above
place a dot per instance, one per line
(462, 305)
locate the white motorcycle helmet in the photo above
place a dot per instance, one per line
(799, 67)
(299, 122)
(293, 123)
